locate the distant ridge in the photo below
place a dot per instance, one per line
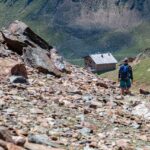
(80, 27)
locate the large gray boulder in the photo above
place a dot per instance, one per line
(34, 51)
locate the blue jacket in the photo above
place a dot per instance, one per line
(130, 71)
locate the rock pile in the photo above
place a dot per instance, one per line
(78, 110)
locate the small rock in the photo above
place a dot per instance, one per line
(101, 84)
(14, 147)
(54, 138)
(31, 146)
(135, 125)
(123, 143)
(119, 97)
(75, 92)
(93, 106)
(87, 98)
(5, 135)
(22, 132)
(142, 110)
(143, 138)
(9, 146)
(144, 92)
(9, 111)
(18, 79)
(86, 131)
(146, 148)
(18, 140)
(1, 93)
(36, 111)
(93, 145)
(2, 103)
(42, 139)
(61, 103)
(86, 111)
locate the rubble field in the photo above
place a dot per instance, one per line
(49, 104)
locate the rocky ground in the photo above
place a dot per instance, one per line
(76, 111)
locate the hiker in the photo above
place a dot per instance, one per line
(125, 77)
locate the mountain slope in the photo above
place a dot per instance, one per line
(78, 110)
(79, 27)
(141, 71)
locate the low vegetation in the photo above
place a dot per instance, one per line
(74, 44)
(141, 36)
(141, 73)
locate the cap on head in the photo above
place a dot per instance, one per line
(125, 60)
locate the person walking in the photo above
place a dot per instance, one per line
(125, 77)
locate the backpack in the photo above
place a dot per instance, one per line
(124, 72)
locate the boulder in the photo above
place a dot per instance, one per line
(14, 45)
(19, 70)
(18, 74)
(35, 57)
(27, 35)
(5, 52)
(35, 52)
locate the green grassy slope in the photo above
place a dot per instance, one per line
(141, 72)
(141, 36)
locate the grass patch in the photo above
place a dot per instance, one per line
(141, 73)
(78, 62)
(141, 36)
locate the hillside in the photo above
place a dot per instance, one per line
(78, 27)
(141, 71)
(44, 106)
